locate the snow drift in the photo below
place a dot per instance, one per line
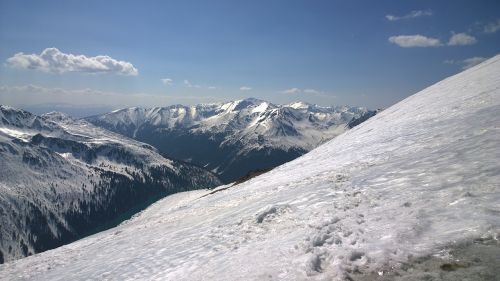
(413, 181)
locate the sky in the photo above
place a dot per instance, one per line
(98, 55)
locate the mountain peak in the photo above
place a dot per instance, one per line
(238, 105)
(232, 130)
(254, 100)
(299, 105)
(7, 110)
(57, 116)
(15, 117)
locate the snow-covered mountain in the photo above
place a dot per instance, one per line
(411, 194)
(232, 138)
(61, 179)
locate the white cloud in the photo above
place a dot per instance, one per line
(189, 85)
(167, 81)
(470, 62)
(467, 63)
(292, 91)
(409, 41)
(492, 27)
(54, 61)
(311, 91)
(245, 88)
(417, 40)
(411, 15)
(303, 91)
(462, 39)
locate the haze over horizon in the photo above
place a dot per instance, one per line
(95, 56)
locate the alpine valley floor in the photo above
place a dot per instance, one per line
(410, 194)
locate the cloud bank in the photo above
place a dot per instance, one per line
(303, 91)
(470, 62)
(411, 41)
(462, 39)
(291, 91)
(31, 95)
(245, 88)
(467, 63)
(417, 40)
(54, 61)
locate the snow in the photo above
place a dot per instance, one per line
(230, 105)
(299, 105)
(65, 155)
(23, 135)
(412, 181)
(260, 108)
(250, 124)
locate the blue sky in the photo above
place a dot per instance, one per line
(368, 53)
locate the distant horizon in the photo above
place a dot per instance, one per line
(91, 110)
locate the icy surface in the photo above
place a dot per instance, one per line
(409, 182)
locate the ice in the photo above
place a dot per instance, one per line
(412, 182)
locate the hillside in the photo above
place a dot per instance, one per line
(62, 179)
(418, 182)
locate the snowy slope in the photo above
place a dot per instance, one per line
(232, 138)
(61, 179)
(415, 180)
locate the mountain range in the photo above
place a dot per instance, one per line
(233, 138)
(63, 178)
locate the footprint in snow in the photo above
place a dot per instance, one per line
(270, 212)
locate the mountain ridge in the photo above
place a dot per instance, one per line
(63, 178)
(232, 138)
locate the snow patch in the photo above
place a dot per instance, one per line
(23, 135)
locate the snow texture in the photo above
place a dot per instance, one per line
(410, 182)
